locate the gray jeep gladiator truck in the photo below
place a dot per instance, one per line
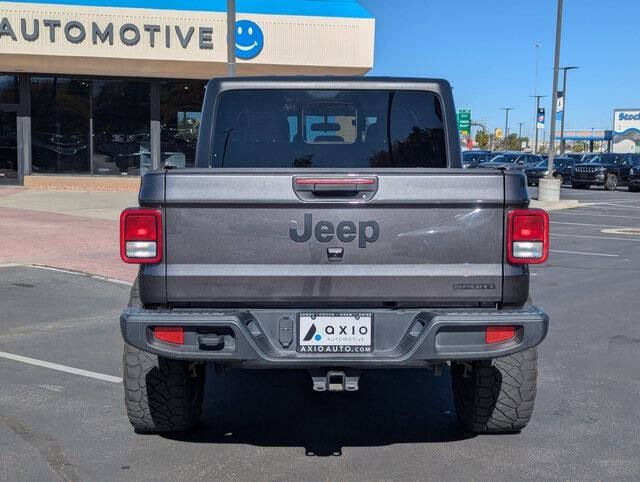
(328, 226)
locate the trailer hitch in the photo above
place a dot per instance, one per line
(335, 380)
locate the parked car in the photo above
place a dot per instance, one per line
(605, 170)
(576, 156)
(537, 171)
(631, 171)
(512, 160)
(587, 157)
(563, 170)
(331, 259)
(471, 159)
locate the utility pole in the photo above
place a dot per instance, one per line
(564, 108)
(506, 124)
(520, 130)
(535, 121)
(231, 38)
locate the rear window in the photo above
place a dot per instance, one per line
(329, 128)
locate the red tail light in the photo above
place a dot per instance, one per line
(527, 236)
(141, 236)
(498, 334)
(169, 334)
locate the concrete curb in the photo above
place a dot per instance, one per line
(555, 205)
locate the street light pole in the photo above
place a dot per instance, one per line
(564, 107)
(535, 120)
(506, 124)
(554, 100)
(548, 187)
(520, 131)
(231, 38)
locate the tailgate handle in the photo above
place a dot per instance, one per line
(336, 187)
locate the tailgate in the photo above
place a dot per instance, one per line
(389, 239)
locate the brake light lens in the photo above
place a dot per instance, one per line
(169, 334)
(527, 236)
(141, 236)
(498, 334)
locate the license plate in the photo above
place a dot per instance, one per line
(335, 333)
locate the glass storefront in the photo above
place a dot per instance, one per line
(8, 89)
(8, 148)
(97, 125)
(180, 106)
(8, 129)
(120, 126)
(60, 125)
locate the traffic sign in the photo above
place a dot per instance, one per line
(464, 121)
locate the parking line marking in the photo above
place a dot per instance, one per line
(80, 273)
(618, 205)
(62, 368)
(594, 237)
(586, 224)
(610, 207)
(565, 213)
(583, 253)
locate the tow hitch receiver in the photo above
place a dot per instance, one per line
(335, 381)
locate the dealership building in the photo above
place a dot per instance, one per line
(626, 130)
(99, 91)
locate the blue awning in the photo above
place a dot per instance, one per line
(586, 136)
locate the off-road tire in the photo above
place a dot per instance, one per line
(611, 182)
(161, 394)
(496, 396)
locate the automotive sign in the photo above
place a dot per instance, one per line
(626, 130)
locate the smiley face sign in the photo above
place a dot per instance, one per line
(249, 39)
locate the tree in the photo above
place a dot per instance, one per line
(482, 139)
(579, 147)
(513, 142)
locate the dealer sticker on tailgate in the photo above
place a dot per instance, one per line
(335, 332)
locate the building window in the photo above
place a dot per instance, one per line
(8, 148)
(120, 127)
(8, 89)
(60, 125)
(180, 106)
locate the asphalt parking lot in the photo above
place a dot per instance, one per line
(270, 425)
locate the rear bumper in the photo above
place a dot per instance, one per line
(402, 338)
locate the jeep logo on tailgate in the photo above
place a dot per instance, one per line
(345, 231)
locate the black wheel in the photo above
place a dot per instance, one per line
(496, 395)
(161, 394)
(560, 178)
(611, 183)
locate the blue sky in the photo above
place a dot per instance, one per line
(486, 49)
